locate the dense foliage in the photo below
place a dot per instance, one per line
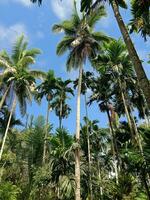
(96, 163)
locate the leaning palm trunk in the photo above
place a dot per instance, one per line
(88, 145)
(8, 124)
(4, 97)
(46, 134)
(142, 78)
(114, 147)
(77, 151)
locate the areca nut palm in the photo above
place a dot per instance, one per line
(18, 77)
(47, 89)
(63, 90)
(141, 17)
(81, 43)
(88, 5)
(116, 62)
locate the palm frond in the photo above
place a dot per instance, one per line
(95, 16)
(5, 56)
(17, 48)
(64, 45)
(25, 61)
(4, 63)
(38, 74)
(32, 52)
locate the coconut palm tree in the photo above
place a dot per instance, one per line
(62, 109)
(46, 89)
(87, 5)
(18, 77)
(86, 81)
(82, 43)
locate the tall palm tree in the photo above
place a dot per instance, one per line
(46, 89)
(86, 81)
(115, 61)
(82, 43)
(18, 77)
(87, 5)
(103, 97)
(62, 109)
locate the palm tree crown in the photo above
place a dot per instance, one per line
(80, 39)
(16, 72)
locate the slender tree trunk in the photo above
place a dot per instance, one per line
(4, 97)
(141, 75)
(89, 151)
(126, 110)
(138, 139)
(114, 148)
(100, 178)
(60, 116)
(77, 151)
(145, 117)
(2, 170)
(46, 134)
(8, 124)
(143, 174)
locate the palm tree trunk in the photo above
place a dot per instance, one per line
(77, 151)
(46, 134)
(100, 178)
(145, 117)
(138, 139)
(141, 75)
(114, 147)
(8, 124)
(126, 110)
(89, 151)
(4, 97)
(143, 174)
(139, 143)
(60, 116)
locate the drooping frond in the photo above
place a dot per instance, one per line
(5, 56)
(66, 26)
(38, 74)
(4, 63)
(64, 45)
(99, 36)
(25, 61)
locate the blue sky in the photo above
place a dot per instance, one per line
(20, 16)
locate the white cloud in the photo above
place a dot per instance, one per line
(9, 34)
(63, 9)
(26, 3)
